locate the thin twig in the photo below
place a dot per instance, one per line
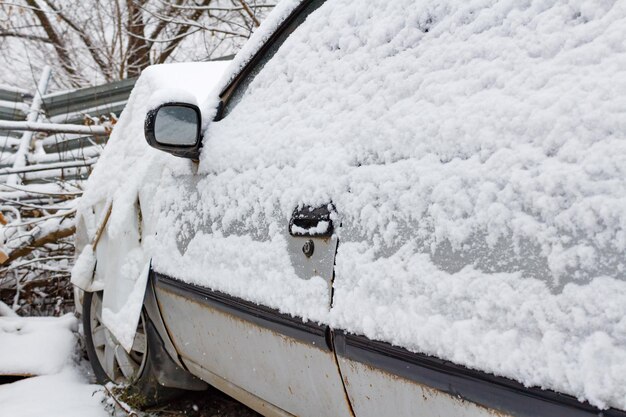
(40, 219)
(30, 261)
(18, 188)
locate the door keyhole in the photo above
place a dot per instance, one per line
(308, 248)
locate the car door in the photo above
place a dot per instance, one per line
(245, 254)
(246, 298)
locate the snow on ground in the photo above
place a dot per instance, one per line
(45, 347)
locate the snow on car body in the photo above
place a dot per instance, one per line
(470, 158)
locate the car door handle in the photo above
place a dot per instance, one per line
(312, 221)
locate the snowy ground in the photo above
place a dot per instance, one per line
(45, 347)
(43, 373)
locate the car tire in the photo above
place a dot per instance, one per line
(111, 363)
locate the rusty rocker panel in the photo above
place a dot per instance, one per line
(283, 364)
(360, 358)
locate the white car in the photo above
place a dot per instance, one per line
(379, 208)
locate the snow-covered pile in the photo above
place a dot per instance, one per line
(124, 164)
(23, 340)
(476, 154)
(44, 347)
(125, 171)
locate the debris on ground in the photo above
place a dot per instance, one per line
(43, 372)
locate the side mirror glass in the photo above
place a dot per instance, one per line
(175, 128)
(176, 125)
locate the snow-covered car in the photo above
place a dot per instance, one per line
(379, 208)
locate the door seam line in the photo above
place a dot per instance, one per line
(343, 383)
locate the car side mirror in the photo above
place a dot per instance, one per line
(175, 128)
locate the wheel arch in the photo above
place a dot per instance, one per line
(163, 364)
(168, 370)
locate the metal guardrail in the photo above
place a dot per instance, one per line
(12, 111)
(14, 103)
(95, 101)
(53, 128)
(58, 155)
(13, 95)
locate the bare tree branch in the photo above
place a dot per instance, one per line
(249, 12)
(30, 37)
(183, 30)
(190, 23)
(162, 23)
(168, 40)
(41, 240)
(57, 42)
(84, 37)
(20, 6)
(216, 8)
(116, 39)
(139, 51)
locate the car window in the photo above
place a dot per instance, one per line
(233, 99)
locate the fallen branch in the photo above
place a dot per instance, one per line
(30, 190)
(51, 237)
(48, 167)
(32, 261)
(54, 128)
(65, 213)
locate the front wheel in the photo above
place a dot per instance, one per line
(111, 362)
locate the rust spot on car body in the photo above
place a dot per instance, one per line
(428, 393)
